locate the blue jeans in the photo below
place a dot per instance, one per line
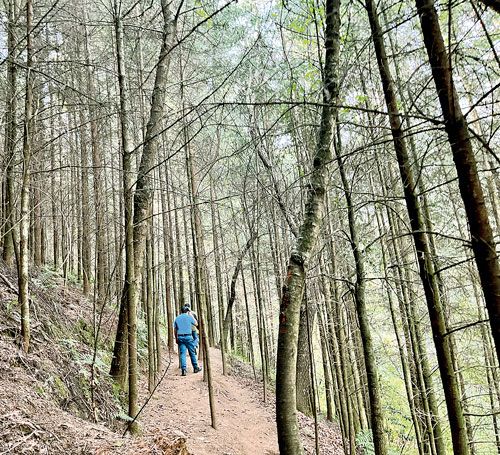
(186, 343)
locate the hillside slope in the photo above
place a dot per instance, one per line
(46, 403)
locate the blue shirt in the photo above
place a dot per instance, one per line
(183, 324)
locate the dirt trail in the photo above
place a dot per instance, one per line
(245, 425)
(40, 391)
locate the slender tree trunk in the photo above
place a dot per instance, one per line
(85, 203)
(420, 370)
(128, 312)
(55, 230)
(338, 368)
(218, 279)
(429, 281)
(471, 191)
(100, 242)
(199, 259)
(326, 369)
(376, 413)
(174, 259)
(9, 240)
(191, 279)
(149, 311)
(181, 300)
(167, 242)
(23, 259)
(35, 236)
(304, 386)
(402, 353)
(309, 323)
(249, 326)
(232, 295)
(261, 326)
(286, 414)
(143, 195)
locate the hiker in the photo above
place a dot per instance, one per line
(184, 338)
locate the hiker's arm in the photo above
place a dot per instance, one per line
(175, 333)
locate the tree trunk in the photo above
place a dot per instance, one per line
(149, 311)
(426, 266)
(9, 240)
(182, 300)
(402, 353)
(471, 191)
(218, 279)
(100, 242)
(304, 386)
(167, 243)
(326, 368)
(127, 318)
(376, 413)
(418, 360)
(191, 279)
(286, 414)
(249, 326)
(199, 259)
(24, 257)
(261, 319)
(232, 295)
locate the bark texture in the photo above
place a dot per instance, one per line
(471, 191)
(24, 257)
(286, 414)
(128, 296)
(421, 242)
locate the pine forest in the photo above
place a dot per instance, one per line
(315, 183)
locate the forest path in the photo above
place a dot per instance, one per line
(180, 406)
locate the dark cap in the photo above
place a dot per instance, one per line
(185, 309)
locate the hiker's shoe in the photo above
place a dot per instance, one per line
(197, 369)
(184, 372)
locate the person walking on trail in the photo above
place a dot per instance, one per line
(184, 338)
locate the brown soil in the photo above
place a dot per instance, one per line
(245, 424)
(43, 409)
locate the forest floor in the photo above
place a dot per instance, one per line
(44, 396)
(245, 424)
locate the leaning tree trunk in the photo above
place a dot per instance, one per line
(471, 191)
(426, 266)
(232, 294)
(293, 289)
